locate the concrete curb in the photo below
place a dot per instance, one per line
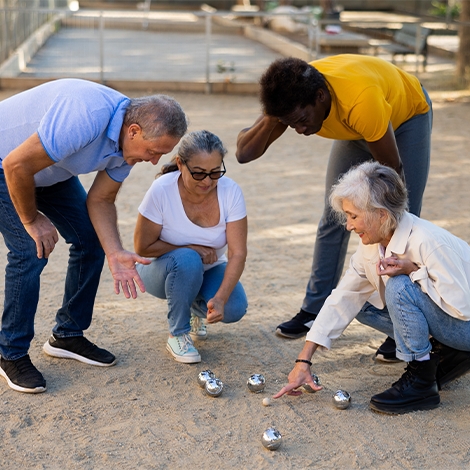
(145, 86)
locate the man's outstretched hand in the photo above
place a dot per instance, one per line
(126, 277)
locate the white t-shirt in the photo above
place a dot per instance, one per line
(162, 205)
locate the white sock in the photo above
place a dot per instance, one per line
(424, 358)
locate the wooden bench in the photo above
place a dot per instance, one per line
(410, 39)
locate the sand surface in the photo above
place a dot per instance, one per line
(148, 412)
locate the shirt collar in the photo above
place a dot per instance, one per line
(381, 251)
(400, 237)
(116, 122)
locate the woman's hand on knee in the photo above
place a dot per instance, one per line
(207, 254)
(215, 310)
(393, 266)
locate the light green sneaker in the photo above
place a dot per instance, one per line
(198, 329)
(182, 349)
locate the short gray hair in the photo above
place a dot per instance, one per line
(192, 144)
(369, 187)
(157, 115)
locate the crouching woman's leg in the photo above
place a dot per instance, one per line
(176, 276)
(237, 304)
(417, 388)
(379, 319)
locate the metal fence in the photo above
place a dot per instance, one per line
(19, 19)
(206, 49)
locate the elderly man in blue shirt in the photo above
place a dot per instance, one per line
(51, 134)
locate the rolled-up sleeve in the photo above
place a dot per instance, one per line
(344, 303)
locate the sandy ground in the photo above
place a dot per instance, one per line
(148, 412)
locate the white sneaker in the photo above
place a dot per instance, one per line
(198, 329)
(182, 349)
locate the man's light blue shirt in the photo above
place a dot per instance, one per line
(78, 123)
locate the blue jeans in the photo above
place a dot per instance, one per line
(412, 317)
(414, 145)
(179, 277)
(65, 205)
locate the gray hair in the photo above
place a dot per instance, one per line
(157, 115)
(192, 144)
(370, 187)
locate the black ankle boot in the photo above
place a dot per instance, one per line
(415, 390)
(452, 363)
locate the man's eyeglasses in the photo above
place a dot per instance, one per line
(213, 175)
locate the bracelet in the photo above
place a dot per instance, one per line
(304, 360)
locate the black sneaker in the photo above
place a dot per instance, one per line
(22, 376)
(387, 351)
(80, 349)
(297, 326)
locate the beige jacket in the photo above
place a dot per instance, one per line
(444, 275)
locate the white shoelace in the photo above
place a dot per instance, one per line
(187, 342)
(197, 324)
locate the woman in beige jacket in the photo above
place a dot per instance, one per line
(409, 279)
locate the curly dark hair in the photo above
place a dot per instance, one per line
(287, 84)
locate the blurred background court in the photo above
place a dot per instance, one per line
(220, 46)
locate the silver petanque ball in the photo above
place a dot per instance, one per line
(214, 387)
(316, 381)
(341, 399)
(271, 439)
(204, 376)
(256, 383)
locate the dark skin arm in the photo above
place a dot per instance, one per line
(385, 151)
(253, 141)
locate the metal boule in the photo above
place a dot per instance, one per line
(316, 381)
(271, 439)
(341, 399)
(204, 376)
(214, 387)
(256, 383)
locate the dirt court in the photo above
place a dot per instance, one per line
(148, 412)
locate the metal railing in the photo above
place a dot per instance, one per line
(20, 18)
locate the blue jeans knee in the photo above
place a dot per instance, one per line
(236, 305)
(176, 276)
(406, 304)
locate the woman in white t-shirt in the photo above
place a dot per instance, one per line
(193, 222)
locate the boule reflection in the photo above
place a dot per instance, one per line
(342, 399)
(271, 439)
(256, 383)
(316, 381)
(204, 376)
(214, 387)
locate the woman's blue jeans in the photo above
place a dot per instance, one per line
(414, 145)
(65, 205)
(179, 277)
(411, 317)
